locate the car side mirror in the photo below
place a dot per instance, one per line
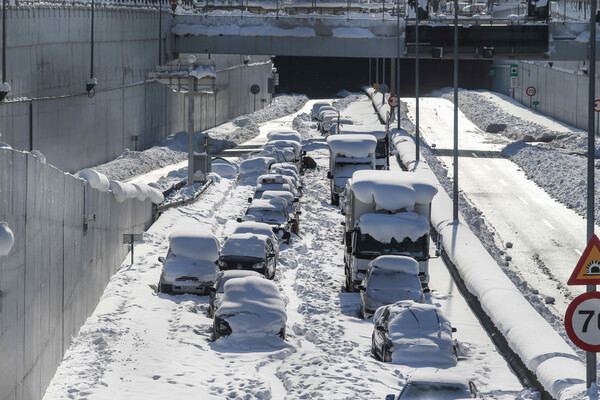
(296, 200)
(380, 328)
(249, 199)
(362, 287)
(329, 175)
(162, 260)
(239, 219)
(303, 152)
(212, 289)
(426, 290)
(453, 330)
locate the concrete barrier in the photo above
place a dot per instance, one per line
(51, 280)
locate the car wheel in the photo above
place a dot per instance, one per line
(211, 312)
(272, 275)
(349, 283)
(363, 312)
(385, 354)
(335, 199)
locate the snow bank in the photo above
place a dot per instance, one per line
(123, 191)
(245, 244)
(407, 265)
(356, 146)
(197, 244)
(96, 180)
(555, 364)
(7, 239)
(385, 227)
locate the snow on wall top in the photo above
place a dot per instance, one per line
(352, 146)
(393, 190)
(404, 264)
(385, 227)
(198, 244)
(7, 239)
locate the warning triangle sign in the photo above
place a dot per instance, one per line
(587, 271)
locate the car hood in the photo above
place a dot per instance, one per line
(178, 267)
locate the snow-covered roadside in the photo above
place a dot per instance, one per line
(174, 148)
(558, 164)
(555, 364)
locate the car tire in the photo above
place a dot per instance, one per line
(373, 347)
(385, 354)
(272, 275)
(211, 312)
(349, 283)
(363, 313)
(335, 199)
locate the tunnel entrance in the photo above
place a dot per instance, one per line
(323, 77)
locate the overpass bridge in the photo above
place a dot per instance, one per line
(341, 32)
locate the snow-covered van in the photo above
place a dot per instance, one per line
(382, 152)
(347, 154)
(387, 213)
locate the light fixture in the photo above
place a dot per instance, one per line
(4, 90)
(488, 52)
(90, 86)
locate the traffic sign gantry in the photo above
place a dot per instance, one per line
(582, 321)
(587, 271)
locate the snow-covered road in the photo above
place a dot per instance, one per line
(140, 344)
(546, 237)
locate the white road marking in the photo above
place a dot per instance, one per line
(475, 155)
(524, 201)
(502, 181)
(548, 224)
(578, 252)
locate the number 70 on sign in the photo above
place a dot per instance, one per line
(582, 321)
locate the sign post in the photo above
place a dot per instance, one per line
(597, 109)
(130, 238)
(255, 89)
(530, 91)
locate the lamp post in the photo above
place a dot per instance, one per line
(398, 63)
(4, 86)
(455, 155)
(417, 80)
(90, 84)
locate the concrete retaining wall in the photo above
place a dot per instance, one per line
(55, 273)
(49, 60)
(561, 89)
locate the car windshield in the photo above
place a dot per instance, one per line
(433, 392)
(270, 216)
(345, 170)
(369, 247)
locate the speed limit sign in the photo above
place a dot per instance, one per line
(530, 91)
(582, 321)
(393, 101)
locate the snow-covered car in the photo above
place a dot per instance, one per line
(287, 172)
(435, 385)
(251, 307)
(191, 262)
(255, 165)
(314, 113)
(272, 212)
(285, 165)
(412, 333)
(259, 228)
(293, 204)
(224, 168)
(296, 147)
(249, 251)
(323, 110)
(339, 123)
(274, 178)
(216, 292)
(390, 279)
(275, 182)
(284, 134)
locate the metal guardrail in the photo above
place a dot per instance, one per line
(162, 207)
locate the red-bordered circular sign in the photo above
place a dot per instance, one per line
(393, 101)
(597, 105)
(530, 91)
(582, 321)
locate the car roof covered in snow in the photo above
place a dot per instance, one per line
(245, 244)
(260, 228)
(274, 194)
(385, 227)
(284, 135)
(198, 243)
(352, 145)
(403, 264)
(268, 204)
(255, 164)
(393, 190)
(376, 130)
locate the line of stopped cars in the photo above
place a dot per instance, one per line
(386, 238)
(237, 276)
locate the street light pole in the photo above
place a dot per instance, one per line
(191, 101)
(455, 187)
(417, 136)
(398, 63)
(591, 357)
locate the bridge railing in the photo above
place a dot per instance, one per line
(131, 3)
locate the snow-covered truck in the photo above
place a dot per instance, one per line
(382, 151)
(347, 154)
(387, 213)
